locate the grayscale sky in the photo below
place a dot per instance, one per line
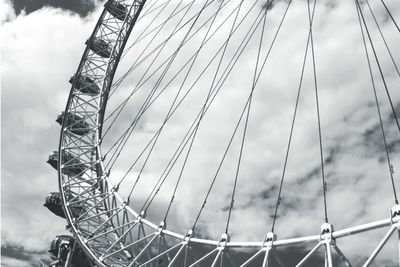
(42, 42)
(81, 7)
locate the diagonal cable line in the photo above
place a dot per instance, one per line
(324, 185)
(383, 38)
(390, 15)
(130, 129)
(202, 112)
(278, 201)
(122, 105)
(379, 65)
(223, 78)
(256, 81)
(176, 97)
(247, 119)
(137, 62)
(363, 25)
(171, 82)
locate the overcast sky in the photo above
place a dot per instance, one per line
(41, 46)
(37, 61)
(81, 7)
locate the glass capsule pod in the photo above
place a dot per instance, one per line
(47, 262)
(54, 203)
(73, 166)
(118, 10)
(100, 47)
(75, 124)
(85, 85)
(60, 247)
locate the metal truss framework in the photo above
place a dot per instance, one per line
(109, 231)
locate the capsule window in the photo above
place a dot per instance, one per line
(74, 124)
(54, 203)
(100, 47)
(116, 9)
(85, 85)
(60, 247)
(73, 165)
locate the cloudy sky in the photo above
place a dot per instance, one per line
(41, 46)
(38, 42)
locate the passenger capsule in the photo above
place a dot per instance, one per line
(47, 262)
(53, 203)
(101, 47)
(85, 85)
(60, 241)
(116, 9)
(73, 165)
(60, 247)
(75, 124)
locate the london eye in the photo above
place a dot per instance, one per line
(191, 126)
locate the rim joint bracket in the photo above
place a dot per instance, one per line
(114, 189)
(187, 237)
(141, 216)
(161, 227)
(395, 214)
(124, 204)
(327, 232)
(225, 238)
(269, 240)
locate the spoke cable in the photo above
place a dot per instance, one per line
(363, 25)
(278, 201)
(142, 52)
(383, 38)
(159, 80)
(380, 71)
(175, 99)
(247, 118)
(223, 79)
(136, 63)
(238, 123)
(202, 113)
(390, 15)
(193, 83)
(134, 122)
(324, 185)
(122, 105)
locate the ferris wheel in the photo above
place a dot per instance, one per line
(166, 161)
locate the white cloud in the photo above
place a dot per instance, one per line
(7, 12)
(39, 53)
(10, 262)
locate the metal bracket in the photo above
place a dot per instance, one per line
(161, 227)
(326, 232)
(269, 240)
(187, 237)
(395, 214)
(225, 238)
(141, 216)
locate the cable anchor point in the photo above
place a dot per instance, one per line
(395, 213)
(269, 240)
(161, 227)
(141, 216)
(225, 238)
(327, 232)
(188, 236)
